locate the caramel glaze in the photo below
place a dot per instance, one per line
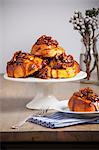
(42, 73)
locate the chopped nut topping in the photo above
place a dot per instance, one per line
(87, 93)
(46, 40)
(62, 61)
(19, 56)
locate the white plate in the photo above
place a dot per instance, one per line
(63, 107)
(79, 76)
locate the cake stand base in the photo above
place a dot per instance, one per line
(44, 98)
(47, 102)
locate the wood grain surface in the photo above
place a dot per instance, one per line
(13, 99)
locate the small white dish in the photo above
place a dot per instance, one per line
(63, 107)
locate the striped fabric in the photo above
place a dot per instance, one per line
(60, 119)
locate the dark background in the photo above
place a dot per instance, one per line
(50, 146)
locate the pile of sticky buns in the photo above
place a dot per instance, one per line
(46, 60)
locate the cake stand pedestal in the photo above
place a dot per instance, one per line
(45, 98)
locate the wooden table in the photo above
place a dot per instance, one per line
(13, 99)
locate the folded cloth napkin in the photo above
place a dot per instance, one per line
(60, 119)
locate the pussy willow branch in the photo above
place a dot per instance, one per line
(93, 47)
(95, 54)
(97, 35)
(87, 60)
(96, 58)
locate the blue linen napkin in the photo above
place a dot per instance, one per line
(60, 119)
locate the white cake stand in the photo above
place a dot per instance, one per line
(44, 97)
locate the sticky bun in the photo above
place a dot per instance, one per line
(85, 100)
(46, 60)
(23, 64)
(45, 46)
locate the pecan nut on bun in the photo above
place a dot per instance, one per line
(85, 100)
(45, 46)
(23, 64)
